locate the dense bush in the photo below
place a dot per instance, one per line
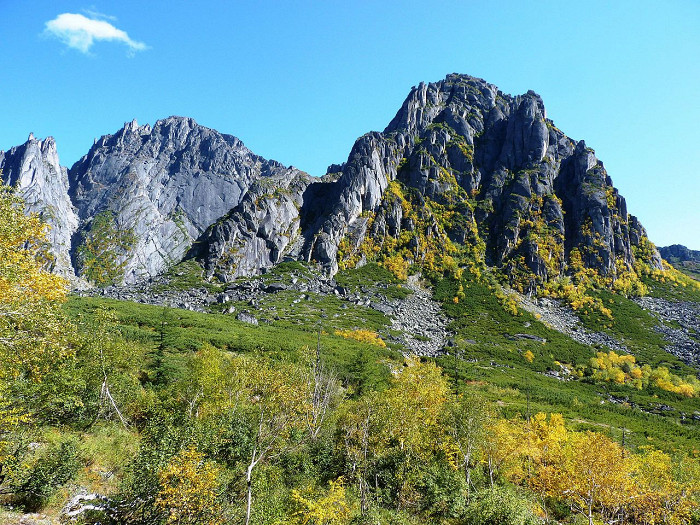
(500, 506)
(43, 470)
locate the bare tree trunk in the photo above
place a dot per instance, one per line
(249, 483)
(322, 386)
(363, 496)
(468, 477)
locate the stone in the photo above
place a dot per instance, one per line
(87, 507)
(679, 252)
(259, 232)
(530, 337)
(165, 185)
(247, 318)
(522, 164)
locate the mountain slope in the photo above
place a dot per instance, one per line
(471, 232)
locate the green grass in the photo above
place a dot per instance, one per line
(585, 406)
(488, 354)
(672, 291)
(185, 276)
(634, 326)
(288, 267)
(375, 276)
(480, 318)
(489, 357)
(188, 331)
(307, 311)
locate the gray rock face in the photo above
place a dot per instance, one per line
(258, 232)
(371, 165)
(34, 170)
(164, 185)
(467, 165)
(530, 192)
(679, 253)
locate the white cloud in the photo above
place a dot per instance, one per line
(94, 13)
(80, 32)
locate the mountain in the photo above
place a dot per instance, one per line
(476, 166)
(683, 258)
(463, 174)
(34, 169)
(468, 280)
(465, 171)
(161, 187)
(679, 252)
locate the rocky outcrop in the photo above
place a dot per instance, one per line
(683, 259)
(680, 326)
(162, 187)
(482, 167)
(680, 253)
(560, 317)
(257, 233)
(371, 165)
(34, 170)
(420, 321)
(464, 172)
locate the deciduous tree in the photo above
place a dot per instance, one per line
(330, 509)
(32, 327)
(188, 490)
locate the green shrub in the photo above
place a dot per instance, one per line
(500, 506)
(43, 471)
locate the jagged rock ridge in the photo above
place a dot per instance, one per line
(480, 168)
(680, 253)
(463, 172)
(164, 185)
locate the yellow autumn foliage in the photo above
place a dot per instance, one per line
(624, 369)
(591, 473)
(33, 332)
(330, 509)
(397, 265)
(24, 277)
(363, 336)
(188, 490)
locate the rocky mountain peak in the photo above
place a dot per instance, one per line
(680, 252)
(161, 187)
(35, 171)
(463, 174)
(508, 179)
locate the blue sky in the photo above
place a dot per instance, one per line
(300, 81)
